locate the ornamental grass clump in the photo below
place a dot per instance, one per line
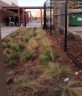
(69, 88)
(29, 35)
(27, 56)
(32, 44)
(23, 83)
(56, 70)
(45, 43)
(48, 55)
(11, 58)
(17, 46)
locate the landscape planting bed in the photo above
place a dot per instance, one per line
(36, 66)
(74, 45)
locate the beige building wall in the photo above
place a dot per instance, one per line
(8, 2)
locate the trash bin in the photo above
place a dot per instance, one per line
(75, 19)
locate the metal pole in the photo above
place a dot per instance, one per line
(50, 18)
(30, 17)
(3, 87)
(65, 39)
(45, 16)
(41, 16)
(23, 18)
(19, 16)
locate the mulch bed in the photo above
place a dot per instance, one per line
(33, 71)
(75, 49)
(74, 46)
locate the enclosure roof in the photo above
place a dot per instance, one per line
(30, 7)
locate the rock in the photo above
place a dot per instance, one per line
(66, 79)
(76, 73)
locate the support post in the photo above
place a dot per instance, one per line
(45, 16)
(19, 16)
(3, 87)
(30, 17)
(41, 16)
(50, 18)
(65, 39)
(23, 18)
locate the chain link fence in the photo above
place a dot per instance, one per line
(66, 17)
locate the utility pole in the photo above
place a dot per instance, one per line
(3, 87)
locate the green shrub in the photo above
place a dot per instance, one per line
(22, 83)
(45, 43)
(6, 39)
(17, 46)
(54, 69)
(27, 56)
(32, 44)
(47, 56)
(9, 62)
(68, 89)
(11, 57)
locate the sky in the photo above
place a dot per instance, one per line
(31, 2)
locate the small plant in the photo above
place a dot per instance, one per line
(25, 83)
(29, 35)
(27, 56)
(47, 56)
(10, 58)
(68, 89)
(4, 44)
(45, 43)
(32, 44)
(6, 39)
(41, 32)
(57, 70)
(17, 46)
(71, 36)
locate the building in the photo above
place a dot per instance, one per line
(5, 13)
(8, 3)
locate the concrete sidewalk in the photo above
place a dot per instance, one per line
(7, 30)
(33, 24)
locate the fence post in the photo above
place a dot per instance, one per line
(44, 16)
(50, 18)
(65, 39)
(3, 88)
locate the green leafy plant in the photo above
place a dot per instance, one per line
(54, 69)
(68, 89)
(6, 39)
(27, 55)
(11, 57)
(32, 44)
(48, 55)
(17, 46)
(25, 83)
(45, 43)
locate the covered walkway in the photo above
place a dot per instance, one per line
(22, 14)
